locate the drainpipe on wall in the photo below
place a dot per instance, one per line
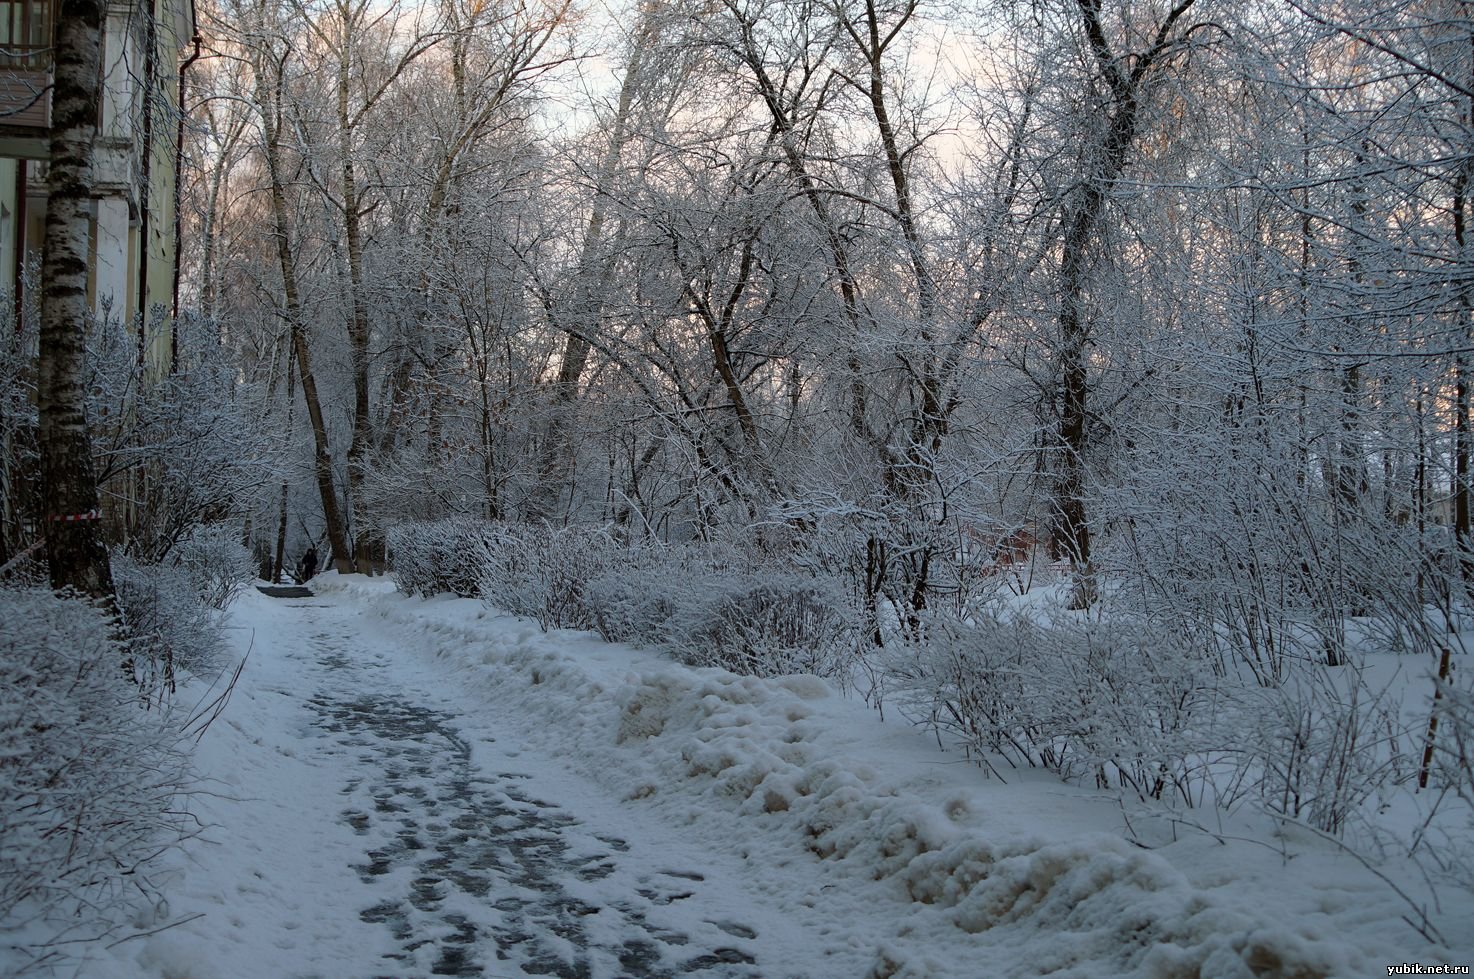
(20, 243)
(179, 185)
(145, 180)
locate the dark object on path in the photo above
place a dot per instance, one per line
(309, 563)
(285, 591)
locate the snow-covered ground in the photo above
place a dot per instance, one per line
(407, 787)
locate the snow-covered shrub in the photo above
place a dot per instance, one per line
(19, 459)
(1261, 565)
(1453, 769)
(1122, 702)
(711, 606)
(535, 571)
(764, 625)
(173, 609)
(87, 778)
(217, 562)
(634, 603)
(438, 556)
(26, 571)
(1130, 703)
(721, 606)
(975, 682)
(542, 572)
(635, 598)
(170, 623)
(185, 446)
(1324, 746)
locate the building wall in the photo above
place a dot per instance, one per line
(132, 250)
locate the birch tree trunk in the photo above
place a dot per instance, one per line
(74, 546)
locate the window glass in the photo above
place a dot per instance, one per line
(25, 32)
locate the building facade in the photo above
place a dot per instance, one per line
(133, 248)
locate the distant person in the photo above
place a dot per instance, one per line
(309, 563)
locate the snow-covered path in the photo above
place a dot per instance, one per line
(372, 819)
(403, 787)
(469, 869)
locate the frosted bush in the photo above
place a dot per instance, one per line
(765, 625)
(1452, 770)
(535, 571)
(543, 572)
(705, 604)
(170, 623)
(505, 573)
(20, 486)
(87, 778)
(1262, 566)
(439, 556)
(187, 446)
(174, 609)
(633, 604)
(1129, 703)
(710, 610)
(216, 561)
(637, 597)
(1324, 746)
(1123, 703)
(978, 683)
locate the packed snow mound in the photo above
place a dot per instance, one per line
(748, 743)
(707, 745)
(1097, 901)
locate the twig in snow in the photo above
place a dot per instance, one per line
(210, 711)
(155, 931)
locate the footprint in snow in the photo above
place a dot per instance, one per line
(471, 875)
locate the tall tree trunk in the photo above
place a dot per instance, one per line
(1350, 482)
(323, 460)
(1072, 524)
(281, 526)
(358, 325)
(1463, 430)
(582, 317)
(1125, 78)
(74, 546)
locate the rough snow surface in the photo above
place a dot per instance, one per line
(409, 787)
